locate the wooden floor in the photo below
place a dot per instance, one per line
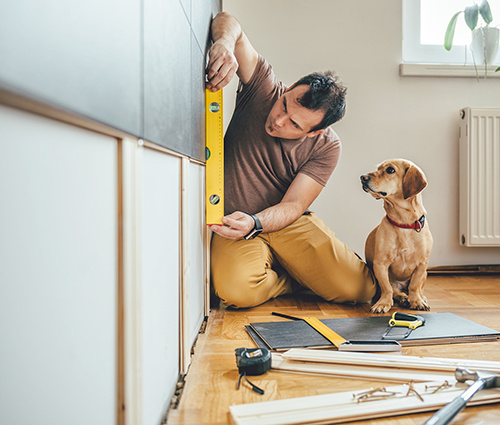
(210, 385)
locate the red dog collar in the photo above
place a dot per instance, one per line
(418, 225)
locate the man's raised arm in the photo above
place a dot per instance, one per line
(230, 53)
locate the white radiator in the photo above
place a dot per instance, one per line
(480, 177)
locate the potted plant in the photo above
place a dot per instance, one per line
(484, 44)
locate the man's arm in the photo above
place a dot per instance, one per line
(301, 193)
(230, 53)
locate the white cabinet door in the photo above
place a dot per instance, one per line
(58, 272)
(160, 282)
(196, 241)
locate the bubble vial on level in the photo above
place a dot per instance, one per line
(214, 107)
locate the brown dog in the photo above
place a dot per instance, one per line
(398, 249)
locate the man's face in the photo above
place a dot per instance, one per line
(288, 119)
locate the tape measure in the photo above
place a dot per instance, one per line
(214, 155)
(252, 361)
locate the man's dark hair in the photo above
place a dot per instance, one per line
(326, 92)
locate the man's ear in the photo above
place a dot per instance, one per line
(315, 133)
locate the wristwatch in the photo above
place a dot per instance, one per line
(257, 228)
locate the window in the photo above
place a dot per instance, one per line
(424, 26)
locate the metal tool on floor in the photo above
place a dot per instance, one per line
(406, 320)
(252, 361)
(481, 380)
(340, 342)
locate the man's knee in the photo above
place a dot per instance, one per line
(238, 295)
(359, 289)
(232, 284)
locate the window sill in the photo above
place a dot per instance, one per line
(442, 70)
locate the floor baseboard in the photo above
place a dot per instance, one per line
(467, 269)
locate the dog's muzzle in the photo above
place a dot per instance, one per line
(365, 178)
(365, 182)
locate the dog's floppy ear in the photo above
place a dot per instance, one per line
(413, 182)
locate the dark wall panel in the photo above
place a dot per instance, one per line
(135, 65)
(176, 40)
(201, 17)
(81, 56)
(167, 75)
(197, 150)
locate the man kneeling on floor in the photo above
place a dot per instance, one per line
(279, 154)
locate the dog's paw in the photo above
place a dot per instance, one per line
(382, 306)
(404, 303)
(402, 300)
(419, 303)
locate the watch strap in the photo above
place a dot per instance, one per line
(257, 227)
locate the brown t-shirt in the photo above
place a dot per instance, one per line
(259, 168)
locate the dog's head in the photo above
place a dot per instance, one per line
(394, 178)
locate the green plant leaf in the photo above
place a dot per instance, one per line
(498, 69)
(471, 16)
(450, 31)
(485, 11)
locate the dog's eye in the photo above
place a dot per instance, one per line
(390, 170)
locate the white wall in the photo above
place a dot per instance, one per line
(387, 116)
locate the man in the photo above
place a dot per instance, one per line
(279, 154)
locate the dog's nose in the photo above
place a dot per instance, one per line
(365, 178)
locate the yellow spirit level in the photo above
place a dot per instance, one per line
(214, 155)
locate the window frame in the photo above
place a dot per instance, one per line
(416, 53)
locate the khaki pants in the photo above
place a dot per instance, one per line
(307, 253)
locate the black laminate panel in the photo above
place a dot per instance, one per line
(135, 65)
(202, 14)
(167, 75)
(198, 100)
(201, 17)
(84, 56)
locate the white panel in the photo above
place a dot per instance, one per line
(160, 291)
(196, 227)
(58, 273)
(480, 177)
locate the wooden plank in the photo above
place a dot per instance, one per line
(132, 154)
(120, 321)
(358, 372)
(185, 344)
(207, 241)
(343, 407)
(389, 360)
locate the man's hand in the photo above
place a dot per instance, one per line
(222, 65)
(236, 225)
(231, 53)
